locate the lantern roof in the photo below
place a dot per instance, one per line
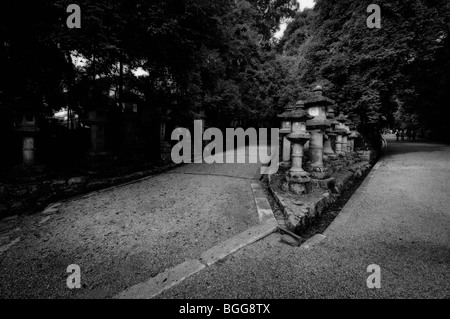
(295, 111)
(331, 116)
(341, 118)
(317, 98)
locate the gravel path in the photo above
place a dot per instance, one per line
(401, 223)
(128, 234)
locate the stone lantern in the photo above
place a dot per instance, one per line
(286, 128)
(316, 107)
(341, 132)
(356, 120)
(297, 178)
(351, 136)
(164, 146)
(28, 129)
(345, 135)
(96, 120)
(330, 135)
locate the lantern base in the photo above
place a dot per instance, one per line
(298, 185)
(318, 172)
(285, 164)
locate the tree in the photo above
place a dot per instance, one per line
(367, 71)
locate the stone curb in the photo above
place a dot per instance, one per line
(239, 241)
(7, 246)
(175, 275)
(278, 199)
(54, 207)
(79, 187)
(161, 282)
(262, 203)
(314, 240)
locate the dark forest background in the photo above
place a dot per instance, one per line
(219, 60)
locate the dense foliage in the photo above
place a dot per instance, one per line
(200, 56)
(395, 76)
(219, 58)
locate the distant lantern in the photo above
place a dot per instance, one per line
(286, 128)
(341, 131)
(28, 128)
(330, 135)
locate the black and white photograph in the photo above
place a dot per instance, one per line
(220, 157)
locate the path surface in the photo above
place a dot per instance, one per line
(127, 234)
(400, 221)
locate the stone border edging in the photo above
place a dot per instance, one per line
(175, 275)
(302, 216)
(52, 208)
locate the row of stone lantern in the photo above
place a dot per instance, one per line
(313, 121)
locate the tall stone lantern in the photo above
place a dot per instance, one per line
(286, 128)
(316, 106)
(330, 135)
(297, 178)
(351, 136)
(164, 145)
(345, 138)
(28, 128)
(341, 132)
(356, 120)
(96, 120)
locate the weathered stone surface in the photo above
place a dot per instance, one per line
(289, 240)
(298, 189)
(97, 184)
(299, 212)
(162, 281)
(119, 180)
(327, 183)
(76, 181)
(5, 247)
(19, 192)
(319, 174)
(43, 220)
(293, 222)
(4, 240)
(16, 198)
(259, 193)
(50, 211)
(10, 218)
(57, 184)
(312, 210)
(298, 202)
(320, 206)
